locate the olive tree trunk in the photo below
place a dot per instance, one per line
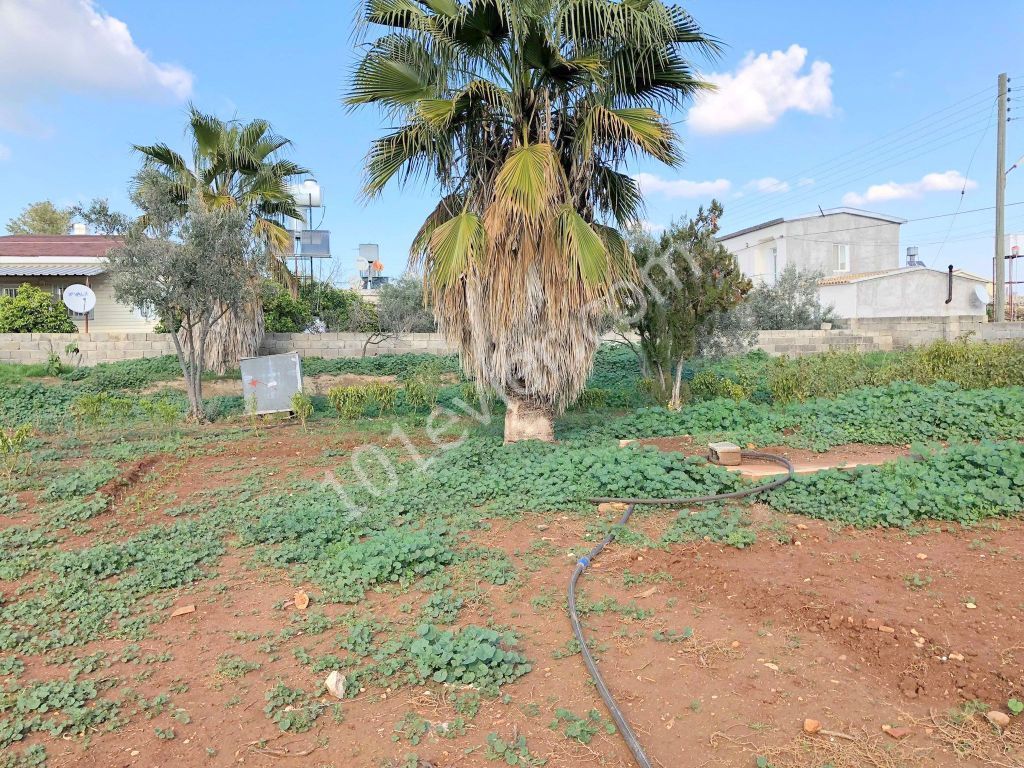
(238, 333)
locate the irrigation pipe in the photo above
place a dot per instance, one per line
(625, 730)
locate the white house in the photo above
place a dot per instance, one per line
(53, 262)
(858, 255)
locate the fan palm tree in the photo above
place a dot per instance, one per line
(523, 114)
(236, 164)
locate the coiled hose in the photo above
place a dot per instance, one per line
(577, 629)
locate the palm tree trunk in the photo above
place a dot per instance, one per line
(238, 333)
(528, 421)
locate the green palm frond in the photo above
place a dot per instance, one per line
(454, 247)
(584, 248)
(207, 132)
(640, 129)
(162, 155)
(408, 151)
(530, 179)
(396, 73)
(617, 194)
(403, 14)
(449, 206)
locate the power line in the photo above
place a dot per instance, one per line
(783, 187)
(967, 175)
(882, 163)
(884, 224)
(817, 168)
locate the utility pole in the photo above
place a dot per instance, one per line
(999, 313)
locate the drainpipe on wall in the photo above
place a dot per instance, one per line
(949, 285)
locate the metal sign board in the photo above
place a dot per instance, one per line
(269, 382)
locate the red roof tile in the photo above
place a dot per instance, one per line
(57, 245)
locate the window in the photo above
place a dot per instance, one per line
(842, 253)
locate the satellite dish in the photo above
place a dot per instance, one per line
(981, 296)
(79, 298)
(306, 194)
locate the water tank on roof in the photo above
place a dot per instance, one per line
(307, 194)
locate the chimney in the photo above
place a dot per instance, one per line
(79, 229)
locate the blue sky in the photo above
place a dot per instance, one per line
(804, 86)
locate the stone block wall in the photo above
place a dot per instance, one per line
(918, 331)
(351, 344)
(863, 336)
(94, 347)
(799, 343)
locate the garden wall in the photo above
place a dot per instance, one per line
(798, 343)
(111, 347)
(916, 331)
(863, 336)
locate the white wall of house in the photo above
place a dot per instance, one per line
(109, 316)
(815, 244)
(915, 292)
(834, 245)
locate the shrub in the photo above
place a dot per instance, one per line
(383, 394)
(336, 309)
(707, 385)
(347, 401)
(33, 310)
(302, 406)
(423, 384)
(282, 313)
(12, 446)
(790, 304)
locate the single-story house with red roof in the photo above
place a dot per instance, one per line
(54, 262)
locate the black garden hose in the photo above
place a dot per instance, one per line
(577, 629)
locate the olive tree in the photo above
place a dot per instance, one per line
(690, 285)
(190, 268)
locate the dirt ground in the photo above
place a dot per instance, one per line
(855, 629)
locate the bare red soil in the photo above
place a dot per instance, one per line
(855, 629)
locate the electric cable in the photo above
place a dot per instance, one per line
(625, 730)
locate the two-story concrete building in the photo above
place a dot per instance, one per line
(857, 254)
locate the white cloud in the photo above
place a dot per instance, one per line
(651, 184)
(805, 182)
(766, 185)
(763, 88)
(949, 181)
(48, 47)
(5, 152)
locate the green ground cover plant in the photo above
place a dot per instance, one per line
(894, 414)
(420, 540)
(477, 656)
(779, 380)
(964, 483)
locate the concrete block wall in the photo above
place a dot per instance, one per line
(93, 347)
(867, 335)
(918, 331)
(1000, 332)
(798, 343)
(351, 344)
